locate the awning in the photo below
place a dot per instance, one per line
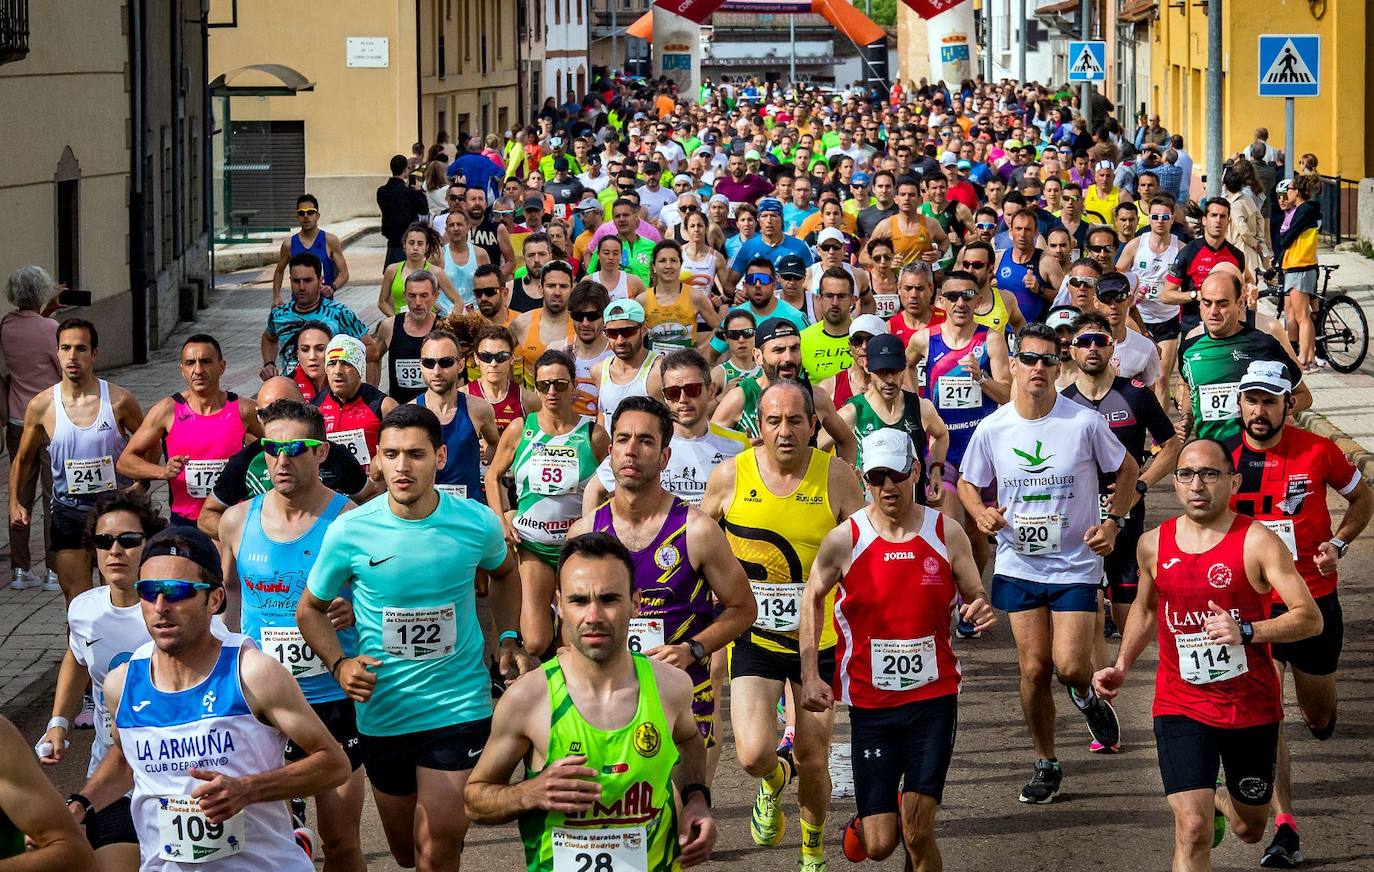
(1057, 8)
(1137, 10)
(643, 27)
(288, 82)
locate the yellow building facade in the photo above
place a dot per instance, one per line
(1332, 126)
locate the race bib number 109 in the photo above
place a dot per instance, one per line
(187, 837)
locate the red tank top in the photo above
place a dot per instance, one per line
(353, 425)
(892, 614)
(305, 384)
(1229, 686)
(508, 408)
(843, 390)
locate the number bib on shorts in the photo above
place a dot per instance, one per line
(91, 476)
(408, 374)
(887, 305)
(959, 392)
(419, 634)
(1202, 661)
(624, 850)
(903, 664)
(1037, 534)
(187, 837)
(287, 647)
(1283, 528)
(1219, 402)
(554, 471)
(201, 476)
(458, 490)
(779, 606)
(355, 441)
(646, 634)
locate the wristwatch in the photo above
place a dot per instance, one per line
(1117, 519)
(697, 787)
(1340, 545)
(698, 652)
(1141, 487)
(1247, 632)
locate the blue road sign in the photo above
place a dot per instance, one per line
(1290, 65)
(1087, 61)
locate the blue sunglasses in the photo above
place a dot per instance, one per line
(174, 590)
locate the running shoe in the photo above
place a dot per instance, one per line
(854, 850)
(1044, 783)
(807, 863)
(1102, 723)
(965, 630)
(1109, 627)
(1282, 853)
(308, 841)
(51, 585)
(23, 580)
(85, 719)
(767, 823)
(1218, 827)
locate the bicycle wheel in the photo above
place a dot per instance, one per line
(1342, 334)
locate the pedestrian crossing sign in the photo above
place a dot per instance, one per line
(1087, 61)
(1289, 65)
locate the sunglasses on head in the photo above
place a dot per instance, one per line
(675, 392)
(494, 356)
(127, 541)
(880, 477)
(174, 590)
(955, 296)
(557, 385)
(289, 447)
(745, 333)
(1092, 340)
(586, 315)
(758, 279)
(1030, 358)
(303, 212)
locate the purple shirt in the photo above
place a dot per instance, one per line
(747, 190)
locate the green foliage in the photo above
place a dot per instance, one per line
(883, 12)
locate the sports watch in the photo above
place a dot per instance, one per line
(1340, 545)
(1247, 632)
(698, 652)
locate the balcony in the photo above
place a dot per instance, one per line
(14, 30)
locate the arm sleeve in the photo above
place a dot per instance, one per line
(333, 567)
(1157, 423)
(341, 472)
(231, 488)
(493, 541)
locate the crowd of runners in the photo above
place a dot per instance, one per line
(791, 392)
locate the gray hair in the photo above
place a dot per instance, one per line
(29, 287)
(423, 275)
(919, 268)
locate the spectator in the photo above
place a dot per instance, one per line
(400, 205)
(475, 168)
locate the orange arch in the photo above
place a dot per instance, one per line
(846, 18)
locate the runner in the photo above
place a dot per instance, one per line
(776, 537)
(268, 547)
(792, 290)
(489, 289)
(672, 323)
(308, 304)
(489, 234)
(424, 710)
(311, 341)
(1133, 355)
(423, 252)
(1197, 259)
(592, 727)
(833, 250)
(548, 322)
(618, 283)
(462, 257)
(898, 673)
(736, 332)
(825, 344)
(552, 453)
(763, 300)
(586, 306)
(209, 782)
(320, 244)
(1148, 257)
(674, 547)
(1044, 453)
(633, 370)
(916, 290)
(104, 627)
(914, 236)
(953, 217)
(400, 338)
(84, 423)
(855, 379)
(769, 242)
(1205, 584)
(1024, 272)
(464, 420)
(1284, 475)
(352, 408)
(993, 308)
(31, 811)
(495, 383)
(198, 431)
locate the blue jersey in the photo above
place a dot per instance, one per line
(416, 608)
(960, 403)
(272, 578)
(1011, 276)
(284, 323)
(319, 248)
(462, 474)
(756, 246)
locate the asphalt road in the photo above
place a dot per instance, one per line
(1111, 814)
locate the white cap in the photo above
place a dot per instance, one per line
(1105, 165)
(829, 234)
(870, 324)
(1269, 376)
(887, 448)
(949, 159)
(1062, 316)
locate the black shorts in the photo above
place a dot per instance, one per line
(1321, 654)
(112, 825)
(1164, 330)
(911, 743)
(1191, 752)
(1121, 568)
(68, 527)
(341, 719)
(749, 660)
(391, 761)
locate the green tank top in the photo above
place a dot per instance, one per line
(398, 286)
(749, 417)
(550, 473)
(941, 218)
(634, 824)
(734, 373)
(1213, 369)
(12, 840)
(866, 421)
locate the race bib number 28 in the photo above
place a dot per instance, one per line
(619, 850)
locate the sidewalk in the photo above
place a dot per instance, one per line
(233, 256)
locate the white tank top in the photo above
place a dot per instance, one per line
(83, 458)
(689, 464)
(703, 271)
(1150, 269)
(621, 291)
(610, 394)
(209, 726)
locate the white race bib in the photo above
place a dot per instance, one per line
(458, 490)
(887, 305)
(624, 850)
(1104, 505)
(646, 634)
(779, 606)
(187, 837)
(1038, 533)
(90, 476)
(201, 476)
(1219, 402)
(355, 442)
(104, 728)
(903, 664)
(419, 634)
(286, 646)
(1202, 661)
(958, 392)
(408, 374)
(554, 470)
(1284, 528)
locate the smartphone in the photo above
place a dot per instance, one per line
(70, 297)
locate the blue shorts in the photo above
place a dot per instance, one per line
(1018, 595)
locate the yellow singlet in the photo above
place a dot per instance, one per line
(671, 326)
(908, 247)
(996, 318)
(776, 539)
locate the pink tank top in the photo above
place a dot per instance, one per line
(209, 441)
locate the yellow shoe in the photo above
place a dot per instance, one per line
(767, 823)
(808, 863)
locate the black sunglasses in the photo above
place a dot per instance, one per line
(437, 362)
(127, 541)
(486, 292)
(1030, 358)
(1092, 340)
(880, 477)
(494, 356)
(746, 333)
(587, 315)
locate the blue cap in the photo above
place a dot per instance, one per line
(770, 204)
(859, 179)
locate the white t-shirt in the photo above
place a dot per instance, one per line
(1136, 357)
(654, 201)
(690, 463)
(1046, 473)
(595, 185)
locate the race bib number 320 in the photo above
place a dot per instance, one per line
(619, 850)
(1037, 534)
(419, 634)
(187, 837)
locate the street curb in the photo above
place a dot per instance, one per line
(1356, 453)
(228, 260)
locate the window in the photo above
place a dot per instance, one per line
(557, 14)
(443, 56)
(67, 191)
(14, 30)
(580, 4)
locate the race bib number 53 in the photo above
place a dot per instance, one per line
(187, 837)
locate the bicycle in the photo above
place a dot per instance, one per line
(1341, 326)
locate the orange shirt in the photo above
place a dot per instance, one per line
(812, 224)
(666, 105)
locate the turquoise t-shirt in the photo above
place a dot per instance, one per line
(416, 608)
(783, 309)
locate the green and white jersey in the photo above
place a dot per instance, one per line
(633, 825)
(733, 373)
(1213, 369)
(550, 473)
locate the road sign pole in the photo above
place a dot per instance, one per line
(1085, 26)
(1289, 134)
(1214, 100)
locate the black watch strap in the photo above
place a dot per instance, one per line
(697, 787)
(696, 649)
(1141, 487)
(1247, 632)
(82, 801)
